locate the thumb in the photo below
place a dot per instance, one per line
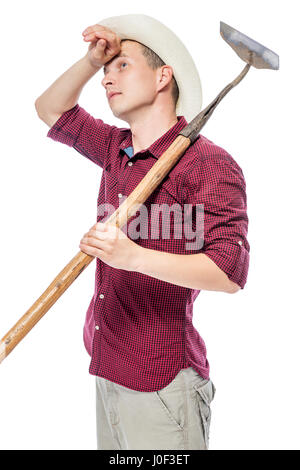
(101, 43)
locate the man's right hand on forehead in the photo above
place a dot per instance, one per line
(104, 44)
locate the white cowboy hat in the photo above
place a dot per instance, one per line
(155, 35)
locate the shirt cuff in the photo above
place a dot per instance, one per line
(61, 130)
(232, 258)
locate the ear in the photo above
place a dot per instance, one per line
(164, 77)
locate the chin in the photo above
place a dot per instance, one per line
(120, 114)
(117, 114)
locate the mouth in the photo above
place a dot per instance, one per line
(111, 95)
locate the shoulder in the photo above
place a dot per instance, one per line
(205, 151)
(204, 158)
(207, 168)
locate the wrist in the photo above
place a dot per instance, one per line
(94, 68)
(139, 258)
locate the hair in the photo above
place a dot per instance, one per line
(154, 62)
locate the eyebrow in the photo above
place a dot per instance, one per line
(116, 57)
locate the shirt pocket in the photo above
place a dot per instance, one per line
(166, 193)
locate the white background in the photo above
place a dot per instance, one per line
(48, 200)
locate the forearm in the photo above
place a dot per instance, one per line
(63, 94)
(195, 271)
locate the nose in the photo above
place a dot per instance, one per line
(108, 79)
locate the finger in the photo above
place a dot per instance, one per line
(94, 27)
(94, 227)
(93, 35)
(101, 226)
(93, 237)
(108, 232)
(93, 243)
(89, 250)
(109, 40)
(96, 234)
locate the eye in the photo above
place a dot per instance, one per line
(124, 63)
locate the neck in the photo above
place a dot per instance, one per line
(150, 127)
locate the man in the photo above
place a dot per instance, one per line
(152, 374)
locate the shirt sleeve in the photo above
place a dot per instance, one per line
(219, 185)
(91, 137)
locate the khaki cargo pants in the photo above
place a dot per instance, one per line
(176, 417)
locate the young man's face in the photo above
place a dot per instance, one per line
(132, 77)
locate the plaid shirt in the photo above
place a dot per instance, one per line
(138, 329)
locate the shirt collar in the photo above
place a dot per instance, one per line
(161, 144)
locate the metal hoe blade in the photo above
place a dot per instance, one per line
(249, 50)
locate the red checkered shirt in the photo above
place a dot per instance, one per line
(138, 329)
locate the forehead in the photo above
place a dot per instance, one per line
(129, 48)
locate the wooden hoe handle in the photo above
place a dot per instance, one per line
(125, 211)
(75, 267)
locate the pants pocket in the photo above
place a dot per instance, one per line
(171, 413)
(205, 393)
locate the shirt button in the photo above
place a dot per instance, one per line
(120, 195)
(240, 242)
(130, 163)
(101, 296)
(96, 327)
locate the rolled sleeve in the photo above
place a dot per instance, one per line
(91, 137)
(219, 185)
